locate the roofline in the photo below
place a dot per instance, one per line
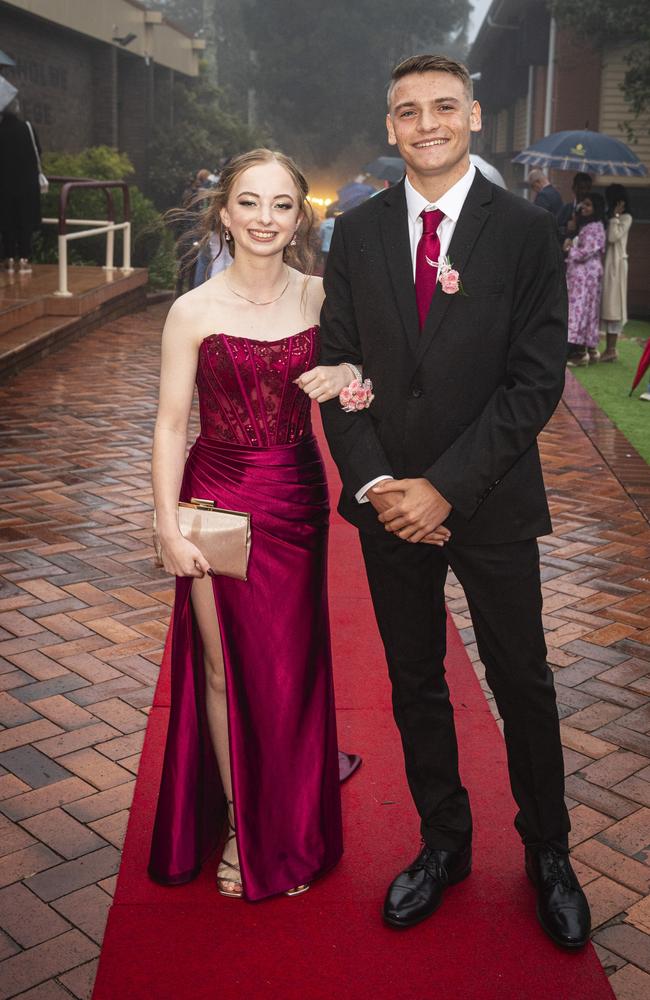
(497, 17)
(166, 20)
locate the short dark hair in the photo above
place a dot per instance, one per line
(431, 64)
(581, 178)
(613, 194)
(598, 203)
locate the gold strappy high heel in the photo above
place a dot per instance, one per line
(226, 884)
(298, 891)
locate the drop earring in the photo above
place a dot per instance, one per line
(293, 241)
(226, 234)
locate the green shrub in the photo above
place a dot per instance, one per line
(151, 243)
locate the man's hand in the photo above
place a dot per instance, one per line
(383, 503)
(414, 511)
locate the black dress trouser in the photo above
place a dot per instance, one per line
(503, 589)
(17, 231)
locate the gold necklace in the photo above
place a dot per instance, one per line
(252, 301)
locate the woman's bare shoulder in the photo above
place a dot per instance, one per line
(315, 291)
(195, 311)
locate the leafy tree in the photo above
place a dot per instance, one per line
(607, 23)
(322, 68)
(204, 133)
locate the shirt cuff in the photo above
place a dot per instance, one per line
(361, 495)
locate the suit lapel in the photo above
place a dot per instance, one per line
(397, 247)
(473, 216)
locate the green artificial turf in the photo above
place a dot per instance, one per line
(609, 385)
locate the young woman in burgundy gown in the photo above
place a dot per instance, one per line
(252, 731)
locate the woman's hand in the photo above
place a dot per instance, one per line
(182, 558)
(325, 381)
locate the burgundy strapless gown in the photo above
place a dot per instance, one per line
(256, 453)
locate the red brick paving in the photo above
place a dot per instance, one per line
(83, 615)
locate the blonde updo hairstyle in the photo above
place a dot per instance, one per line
(213, 200)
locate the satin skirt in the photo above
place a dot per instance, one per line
(275, 637)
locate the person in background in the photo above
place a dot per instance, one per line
(546, 195)
(185, 221)
(613, 310)
(568, 217)
(216, 259)
(584, 281)
(211, 256)
(325, 231)
(20, 195)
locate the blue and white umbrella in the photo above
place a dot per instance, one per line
(591, 152)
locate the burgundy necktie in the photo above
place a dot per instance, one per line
(426, 275)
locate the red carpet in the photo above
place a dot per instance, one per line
(330, 944)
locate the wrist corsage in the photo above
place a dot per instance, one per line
(358, 395)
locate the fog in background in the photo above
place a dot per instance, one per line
(311, 76)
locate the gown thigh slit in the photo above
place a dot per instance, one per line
(256, 453)
(206, 618)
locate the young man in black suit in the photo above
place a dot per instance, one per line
(443, 469)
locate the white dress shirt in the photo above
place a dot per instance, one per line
(451, 203)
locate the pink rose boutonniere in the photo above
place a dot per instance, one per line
(448, 276)
(357, 395)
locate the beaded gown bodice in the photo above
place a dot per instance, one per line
(247, 393)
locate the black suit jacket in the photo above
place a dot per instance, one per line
(550, 199)
(462, 402)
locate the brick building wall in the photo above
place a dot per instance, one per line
(80, 92)
(105, 100)
(54, 77)
(131, 103)
(586, 94)
(577, 84)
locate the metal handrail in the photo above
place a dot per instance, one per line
(69, 184)
(108, 226)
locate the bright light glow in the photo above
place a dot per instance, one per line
(321, 202)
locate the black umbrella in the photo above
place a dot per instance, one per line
(386, 168)
(391, 168)
(353, 194)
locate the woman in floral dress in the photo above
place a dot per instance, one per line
(584, 281)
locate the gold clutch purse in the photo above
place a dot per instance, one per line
(222, 536)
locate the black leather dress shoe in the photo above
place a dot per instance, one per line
(562, 907)
(417, 892)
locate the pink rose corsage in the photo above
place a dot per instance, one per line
(357, 395)
(448, 277)
(449, 281)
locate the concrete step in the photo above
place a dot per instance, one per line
(21, 342)
(13, 314)
(25, 342)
